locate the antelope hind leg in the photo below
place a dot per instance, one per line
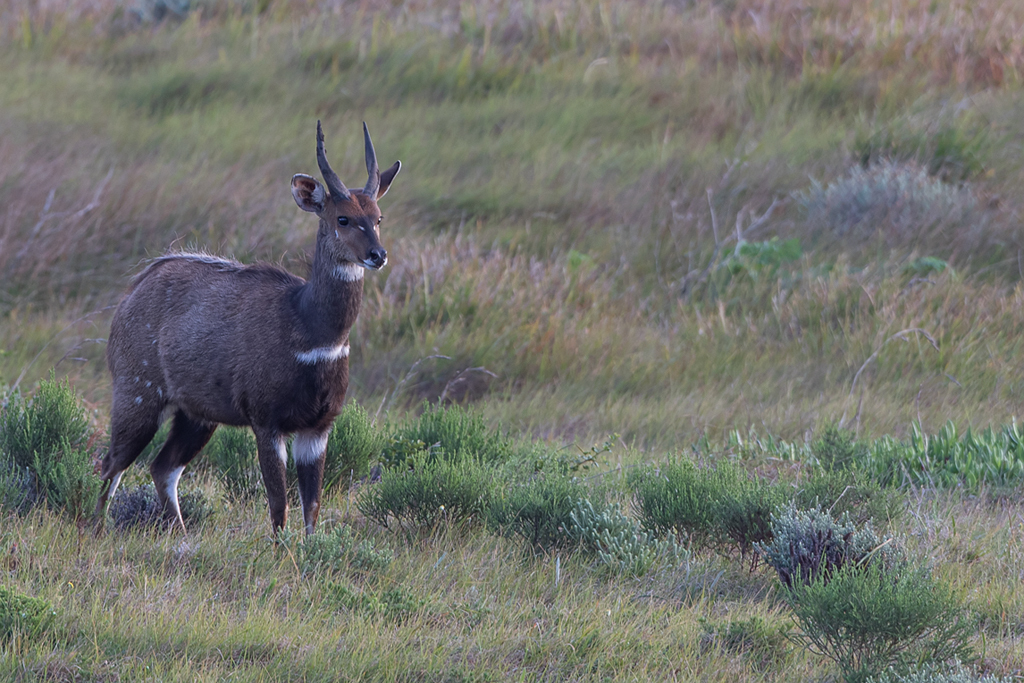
(187, 438)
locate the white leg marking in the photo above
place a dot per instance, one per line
(349, 272)
(113, 486)
(307, 447)
(322, 353)
(172, 485)
(282, 450)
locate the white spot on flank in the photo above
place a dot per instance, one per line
(159, 392)
(149, 384)
(138, 400)
(307, 447)
(349, 272)
(136, 380)
(145, 362)
(322, 353)
(147, 326)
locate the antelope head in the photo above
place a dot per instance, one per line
(349, 233)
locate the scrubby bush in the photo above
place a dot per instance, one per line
(618, 542)
(869, 618)
(743, 508)
(353, 443)
(429, 491)
(837, 448)
(899, 200)
(339, 549)
(810, 545)
(850, 491)
(538, 510)
(675, 497)
(23, 615)
(139, 507)
(16, 487)
(940, 673)
(232, 455)
(448, 433)
(44, 447)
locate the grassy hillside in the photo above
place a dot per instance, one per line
(672, 221)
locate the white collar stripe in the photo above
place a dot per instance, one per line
(348, 272)
(322, 353)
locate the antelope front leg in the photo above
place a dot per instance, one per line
(272, 454)
(309, 450)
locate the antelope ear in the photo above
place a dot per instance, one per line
(309, 194)
(386, 177)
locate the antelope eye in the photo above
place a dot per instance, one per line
(342, 220)
(379, 219)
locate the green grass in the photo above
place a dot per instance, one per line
(604, 225)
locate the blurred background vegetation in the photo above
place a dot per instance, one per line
(661, 219)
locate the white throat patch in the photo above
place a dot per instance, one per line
(348, 272)
(322, 353)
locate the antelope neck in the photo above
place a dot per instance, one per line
(329, 304)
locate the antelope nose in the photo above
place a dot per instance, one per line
(378, 257)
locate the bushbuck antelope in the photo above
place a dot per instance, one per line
(212, 341)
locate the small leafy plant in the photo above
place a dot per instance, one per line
(44, 451)
(868, 619)
(392, 605)
(232, 455)
(676, 497)
(808, 545)
(618, 541)
(429, 492)
(538, 511)
(23, 615)
(448, 433)
(339, 549)
(353, 443)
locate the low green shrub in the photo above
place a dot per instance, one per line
(837, 448)
(353, 443)
(940, 673)
(850, 491)
(868, 619)
(448, 433)
(339, 549)
(762, 643)
(16, 487)
(618, 541)
(538, 510)
(23, 615)
(810, 545)
(139, 507)
(47, 437)
(231, 453)
(393, 605)
(429, 491)
(677, 497)
(743, 508)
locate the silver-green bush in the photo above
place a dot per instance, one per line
(619, 542)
